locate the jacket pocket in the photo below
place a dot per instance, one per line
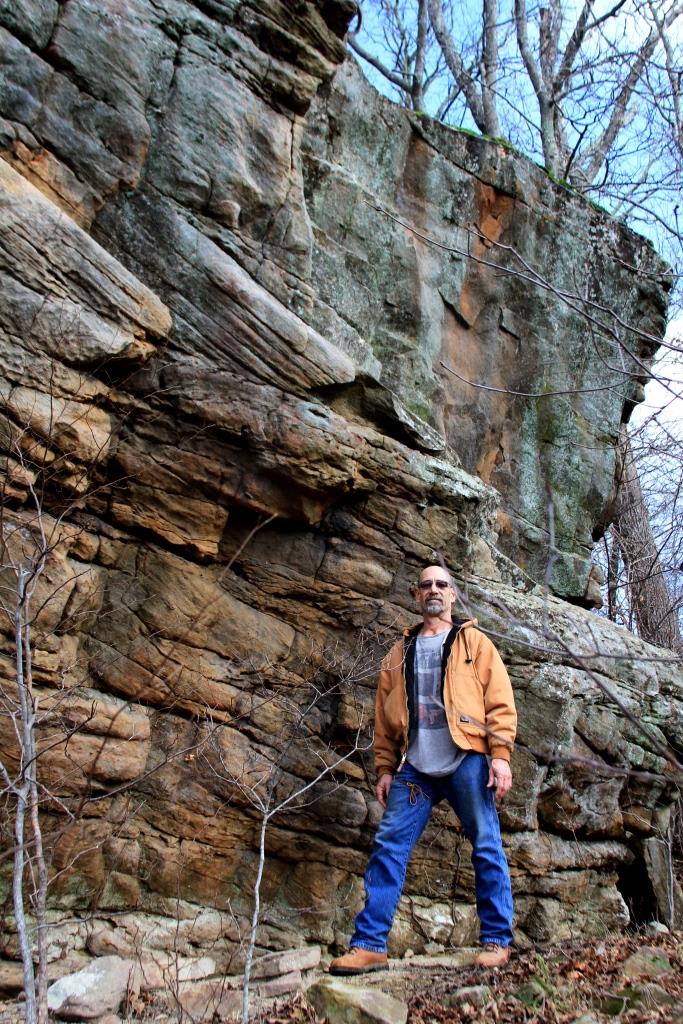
(470, 726)
(465, 697)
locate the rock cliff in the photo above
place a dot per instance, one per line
(268, 342)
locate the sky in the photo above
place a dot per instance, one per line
(658, 398)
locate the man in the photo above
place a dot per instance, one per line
(445, 723)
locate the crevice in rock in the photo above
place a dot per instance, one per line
(217, 12)
(609, 760)
(59, 65)
(177, 61)
(419, 129)
(633, 882)
(365, 401)
(25, 37)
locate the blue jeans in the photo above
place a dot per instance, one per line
(409, 807)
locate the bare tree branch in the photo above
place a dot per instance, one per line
(454, 61)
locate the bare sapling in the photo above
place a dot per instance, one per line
(267, 779)
(24, 549)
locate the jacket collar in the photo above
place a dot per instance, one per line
(413, 631)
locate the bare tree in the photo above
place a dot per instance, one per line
(406, 44)
(47, 476)
(25, 556)
(398, 41)
(584, 71)
(593, 92)
(643, 544)
(29, 538)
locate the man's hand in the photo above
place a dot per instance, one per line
(382, 788)
(500, 776)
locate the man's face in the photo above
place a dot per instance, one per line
(434, 593)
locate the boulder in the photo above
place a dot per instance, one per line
(11, 978)
(274, 964)
(343, 1003)
(278, 986)
(646, 962)
(646, 996)
(205, 1000)
(474, 995)
(532, 994)
(96, 990)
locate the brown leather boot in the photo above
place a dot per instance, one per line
(492, 955)
(359, 961)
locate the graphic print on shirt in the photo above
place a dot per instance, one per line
(430, 712)
(430, 745)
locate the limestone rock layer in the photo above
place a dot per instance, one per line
(268, 342)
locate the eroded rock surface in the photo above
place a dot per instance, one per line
(221, 339)
(467, 271)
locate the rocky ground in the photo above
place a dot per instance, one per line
(634, 978)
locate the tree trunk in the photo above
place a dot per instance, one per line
(417, 91)
(251, 944)
(24, 728)
(653, 607)
(455, 64)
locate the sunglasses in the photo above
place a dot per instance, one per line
(428, 584)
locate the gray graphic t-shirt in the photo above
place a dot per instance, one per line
(430, 747)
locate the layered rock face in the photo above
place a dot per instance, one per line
(243, 299)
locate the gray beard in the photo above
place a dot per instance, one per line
(434, 606)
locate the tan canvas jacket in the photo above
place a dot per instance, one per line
(477, 696)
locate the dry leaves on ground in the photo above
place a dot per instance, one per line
(553, 985)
